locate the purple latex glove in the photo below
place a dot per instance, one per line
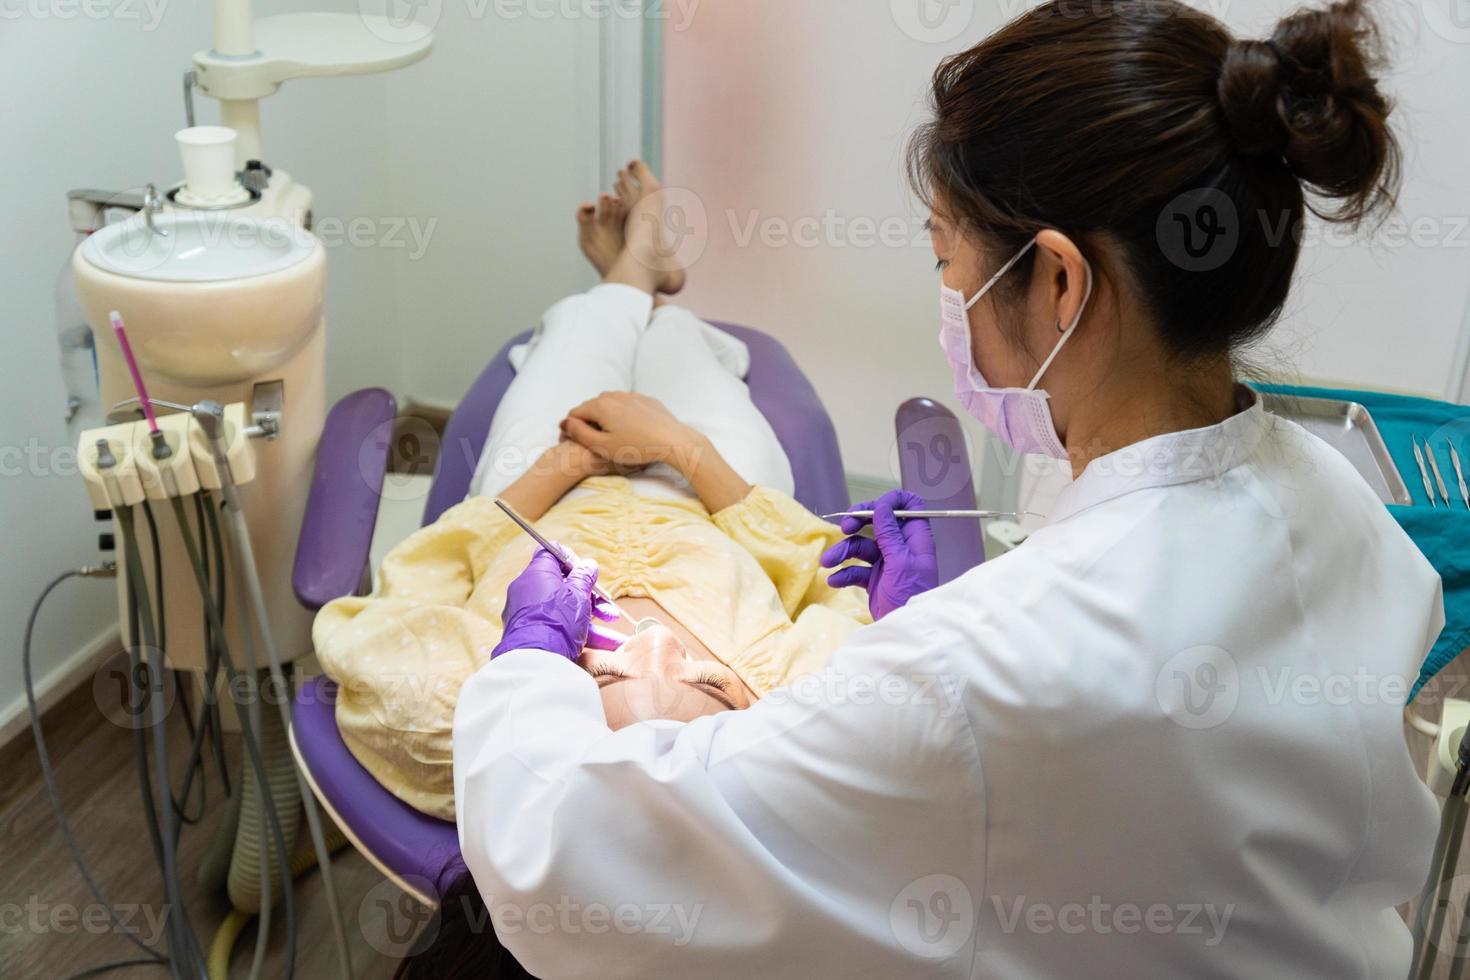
(900, 555)
(551, 611)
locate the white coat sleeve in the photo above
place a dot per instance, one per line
(836, 828)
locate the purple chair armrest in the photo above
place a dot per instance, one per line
(465, 435)
(789, 402)
(342, 508)
(935, 464)
(415, 847)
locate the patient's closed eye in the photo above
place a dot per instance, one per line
(712, 680)
(603, 670)
(721, 686)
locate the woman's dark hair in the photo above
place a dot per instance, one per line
(1145, 125)
(459, 943)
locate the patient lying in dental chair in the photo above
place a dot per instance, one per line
(629, 437)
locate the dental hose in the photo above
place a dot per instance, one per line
(138, 676)
(48, 775)
(240, 860)
(245, 561)
(248, 730)
(215, 720)
(229, 931)
(182, 940)
(209, 415)
(246, 853)
(210, 725)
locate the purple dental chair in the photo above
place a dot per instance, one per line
(409, 847)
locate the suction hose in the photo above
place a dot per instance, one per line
(252, 846)
(229, 931)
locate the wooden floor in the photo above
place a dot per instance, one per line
(49, 921)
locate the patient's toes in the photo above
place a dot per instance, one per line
(600, 231)
(644, 176)
(613, 217)
(625, 188)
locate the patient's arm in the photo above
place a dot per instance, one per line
(632, 430)
(558, 470)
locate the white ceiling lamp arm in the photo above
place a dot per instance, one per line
(251, 58)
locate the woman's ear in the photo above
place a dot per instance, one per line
(1069, 275)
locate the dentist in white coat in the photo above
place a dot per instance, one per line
(1163, 737)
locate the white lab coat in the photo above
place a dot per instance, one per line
(1161, 739)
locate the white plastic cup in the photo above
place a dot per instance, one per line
(208, 153)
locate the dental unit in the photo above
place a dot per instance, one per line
(200, 306)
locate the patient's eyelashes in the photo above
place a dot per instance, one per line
(603, 670)
(713, 681)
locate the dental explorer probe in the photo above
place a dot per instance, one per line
(1438, 479)
(558, 554)
(1423, 471)
(1459, 473)
(982, 515)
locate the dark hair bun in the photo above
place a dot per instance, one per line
(1308, 96)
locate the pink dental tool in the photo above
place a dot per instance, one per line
(127, 351)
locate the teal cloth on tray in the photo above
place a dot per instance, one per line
(1443, 534)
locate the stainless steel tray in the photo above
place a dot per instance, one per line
(1349, 428)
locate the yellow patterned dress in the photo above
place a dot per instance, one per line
(745, 581)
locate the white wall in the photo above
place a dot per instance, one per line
(494, 144)
(93, 102)
(775, 110)
(798, 111)
(464, 172)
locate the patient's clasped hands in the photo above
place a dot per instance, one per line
(629, 431)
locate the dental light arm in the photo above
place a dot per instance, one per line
(250, 58)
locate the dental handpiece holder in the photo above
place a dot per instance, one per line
(121, 466)
(204, 447)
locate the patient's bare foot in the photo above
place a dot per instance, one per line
(640, 192)
(600, 231)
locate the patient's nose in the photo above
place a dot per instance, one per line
(657, 647)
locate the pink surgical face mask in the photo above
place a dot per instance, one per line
(1020, 417)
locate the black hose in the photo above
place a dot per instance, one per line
(49, 776)
(182, 943)
(206, 723)
(139, 682)
(201, 576)
(203, 506)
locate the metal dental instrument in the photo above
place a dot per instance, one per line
(558, 553)
(982, 515)
(1434, 468)
(1459, 473)
(1423, 473)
